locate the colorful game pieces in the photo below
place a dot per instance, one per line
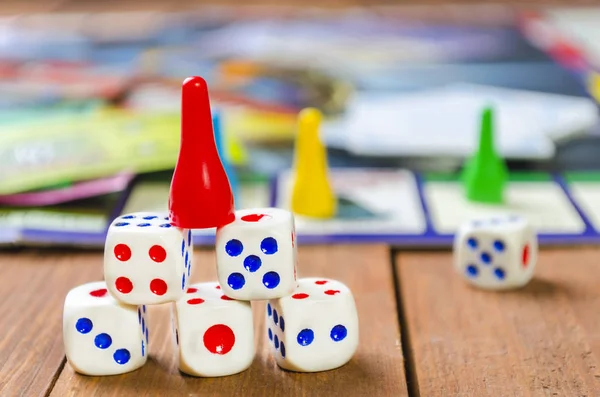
(312, 193)
(148, 260)
(200, 195)
(485, 174)
(222, 150)
(496, 253)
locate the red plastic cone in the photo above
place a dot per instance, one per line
(200, 195)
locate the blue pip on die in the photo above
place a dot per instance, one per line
(496, 253)
(315, 328)
(257, 254)
(101, 335)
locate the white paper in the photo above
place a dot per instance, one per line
(446, 122)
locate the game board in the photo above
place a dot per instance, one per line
(372, 205)
(397, 207)
(82, 225)
(585, 190)
(87, 227)
(410, 210)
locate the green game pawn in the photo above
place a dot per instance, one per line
(485, 174)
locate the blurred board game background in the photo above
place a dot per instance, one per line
(89, 113)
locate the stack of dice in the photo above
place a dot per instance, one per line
(312, 324)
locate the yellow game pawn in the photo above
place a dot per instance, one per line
(312, 194)
(594, 86)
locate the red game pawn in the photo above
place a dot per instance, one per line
(200, 195)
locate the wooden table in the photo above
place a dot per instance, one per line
(423, 332)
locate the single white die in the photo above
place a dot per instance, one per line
(315, 328)
(496, 253)
(101, 335)
(214, 334)
(256, 254)
(146, 259)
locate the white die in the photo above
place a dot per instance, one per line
(102, 336)
(146, 259)
(256, 254)
(214, 334)
(315, 328)
(496, 253)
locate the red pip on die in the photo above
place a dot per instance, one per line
(147, 260)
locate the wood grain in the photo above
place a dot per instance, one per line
(31, 300)
(543, 340)
(377, 369)
(16, 7)
(430, 10)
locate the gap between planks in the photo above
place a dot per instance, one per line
(412, 381)
(541, 340)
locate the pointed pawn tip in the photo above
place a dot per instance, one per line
(487, 120)
(193, 82)
(309, 118)
(310, 114)
(488, 111)
(195, 105)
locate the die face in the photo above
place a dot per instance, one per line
(102, 336)
(256, 254)
(315, 328)
(146, 260)
(497, 253)
(214, 334)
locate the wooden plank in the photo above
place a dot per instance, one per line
(92, 6)
(15, 7)
(31, 299)
(541, 340)
(377, 369)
